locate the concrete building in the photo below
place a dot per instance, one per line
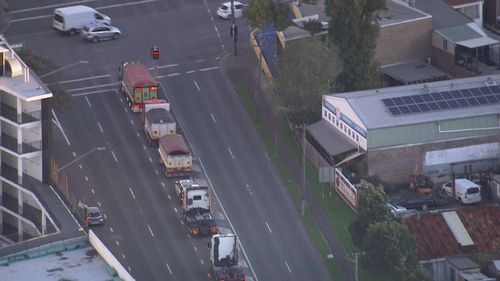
(24, 121)
(430, 129)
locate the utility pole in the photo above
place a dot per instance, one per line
(303, 202)
(234, 30)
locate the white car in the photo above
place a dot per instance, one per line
(224, 10)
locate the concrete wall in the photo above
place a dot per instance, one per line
(395, 165)
(33, 167)
(446, 62)
(404, 42)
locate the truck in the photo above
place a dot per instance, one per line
(195, 198)
(137, 85)
(224, 258)
(175, 155)
(157, 120)
(72, 19)
(463, 190)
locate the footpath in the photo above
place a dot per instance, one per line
(244, 70)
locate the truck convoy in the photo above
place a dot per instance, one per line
(196, 206)
(157, 120)
(224, 258)
(137, 85)
(175, 155)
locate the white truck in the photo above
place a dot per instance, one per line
(157, 119)
(195, 198)
(175, 155)
(72, 19)
(224, 258)
(465, 191)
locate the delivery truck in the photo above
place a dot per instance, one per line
(72, 19)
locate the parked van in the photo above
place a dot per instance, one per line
(466, 191)
(72, 19)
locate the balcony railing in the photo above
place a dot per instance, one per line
(11, 144)
(10, 113)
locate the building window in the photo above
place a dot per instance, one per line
(471, 12)
(357, 138)
(337, 122)
(329, 116)
(445, 44)
(325, 112)
(341, 126)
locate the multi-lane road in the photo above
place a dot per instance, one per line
(144, 229)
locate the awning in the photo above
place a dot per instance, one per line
(330, 139)
(477, 42)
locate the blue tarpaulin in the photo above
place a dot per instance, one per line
(268, 43)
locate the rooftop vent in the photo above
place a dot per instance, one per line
(490, 82)
(427, 89)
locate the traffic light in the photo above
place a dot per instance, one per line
(155, 53)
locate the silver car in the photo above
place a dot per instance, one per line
(97, 33)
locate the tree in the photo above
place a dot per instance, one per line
(390, 250)
(418, 274)
(353, 30)
(306, 67)
(371, 209)
(261, 13)
(41, 65)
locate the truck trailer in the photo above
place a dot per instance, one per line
(175, 155)
(137, 85)
(195, 198)
(224, 258)
(157, 120)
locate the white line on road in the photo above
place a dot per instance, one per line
(249, 189)
(157, 173)
(173, 74)
(114, 156)
(131, 121)
(182, 222)
(83, 79)
(196, 85)
(190, 71)
(93, 92)
(202, 262)
(131, 191)
(150, 160)
(195, 249)
(125, 4)
(143, 147)
(111, 229)
(169, 198)
(209, 68)
(150, 231)
(92, 190)
(58, 124)
(163, 184)
(268, 227)
(175, 209)
(287, 266)
(86, 178)
(99, 203)
(138, 135)
(49, 6)
(88, 102)
(165, 66)
(213, 118)
(230, 152)
(80, 166)
(117, 243)
(91, 87)
(123, 256)
(100, 127)
(129, 269)
(31, 18)
(74, 154)
(168, 267)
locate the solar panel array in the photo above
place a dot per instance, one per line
(444, 100)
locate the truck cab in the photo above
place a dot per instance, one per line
(224, 258)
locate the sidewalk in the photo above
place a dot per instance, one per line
(243, 70)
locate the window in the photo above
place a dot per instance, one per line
(329, 116)
(341, 126)
(325, 113)
(337, 122)
(98, 16)
(445, 44)
(197, 197)
(357, 138)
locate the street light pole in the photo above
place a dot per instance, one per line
(61, 68)
(80, 157)
(303, 202)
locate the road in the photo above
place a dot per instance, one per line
(143, 228)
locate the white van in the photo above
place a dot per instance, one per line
(72, 19)
(466, 191)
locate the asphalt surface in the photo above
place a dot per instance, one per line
(143, 229)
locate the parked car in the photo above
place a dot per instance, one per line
(224, 10)
(94, 216)
(395, 209)
(96, 33)
(417, 202)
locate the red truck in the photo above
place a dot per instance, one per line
(137, 85)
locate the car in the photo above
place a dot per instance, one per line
(224, 10)
(395, 209)
(94, 216)
(96, 33)
(419, 201)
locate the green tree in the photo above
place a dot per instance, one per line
(419, 274)
(41, 65)
(306, 67)
(353, 30)
(261, 13)
(371, 209)
(390, 250)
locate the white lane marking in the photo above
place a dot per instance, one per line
(150, 160)
(99, 203)
(117, 243)
(58, 124)
(132, 122)
(182, 222)
(150, 231)
(111, 229)
(169, 198)
(100, 127)
(209, 68)
(131, 191)
(86, 178)
(157, 173)
(163, 184)
(173, 74)
(143, 147)
(230, 152)
(215, 26)
(74, 154)
(125, 4)
(190, 71)
(196, 85)
(268, 227)
(213, 118)
(93, 92)
(168, 267)
(91, 87)
(175, 209)
(287, 266)
(31, 18)
(195, 249)
(129, 269)
(92, 190)
(49, 6)
(123, 256)
(121, 100)
(114, 156)
(83, 79)
(80, 166)
(200, 60)
(138, 135)
(165, 66)
(249, 189)
(202, 262)
(88, 102)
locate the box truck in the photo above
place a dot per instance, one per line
(72, 19)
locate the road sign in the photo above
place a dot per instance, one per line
(17, 47)
(325, 174)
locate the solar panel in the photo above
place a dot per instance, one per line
(388, 102)
(398, 101)
(492, 99)
(443, 105)
(466, 93)
(456, 94)
(436, 96)
(482, 100)
(472, 101)
(433, 106)
(485, 90)
(417, 98)
(394, 111)
(495, 89)
(453, 103)
(424, 107)
(446, 95)
(404, 109)
(414, 108)
(408, 100)
(427, 97)
(463, 102)
(476, 92)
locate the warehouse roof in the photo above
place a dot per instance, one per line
(371, 107)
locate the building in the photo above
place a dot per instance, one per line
(491, 14)
(473, 9)
(432, 129)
